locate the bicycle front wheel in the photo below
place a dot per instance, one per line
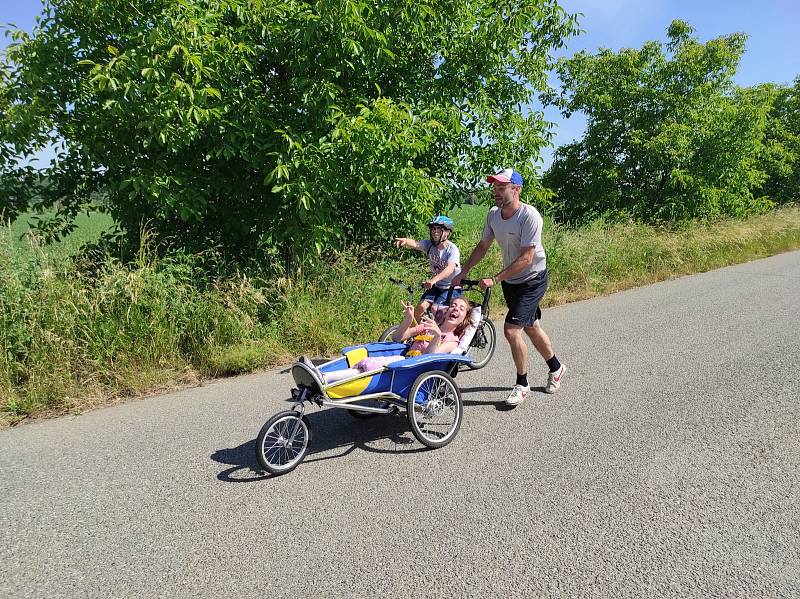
(387, 334)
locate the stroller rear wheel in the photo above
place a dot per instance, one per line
(434, 408)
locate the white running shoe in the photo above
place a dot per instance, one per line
(518, 395)
(554, 380)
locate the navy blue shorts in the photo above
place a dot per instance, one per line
(523, 299)
(437, 295)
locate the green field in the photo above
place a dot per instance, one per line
(89, 227)
(78, 333)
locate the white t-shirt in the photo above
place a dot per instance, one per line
(523, 229)
(439, 257)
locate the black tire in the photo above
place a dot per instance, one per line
(434, 408)
(271, 450)
(483, 345)
(387, 334)
(367, 415)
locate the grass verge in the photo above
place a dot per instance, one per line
(602, 259)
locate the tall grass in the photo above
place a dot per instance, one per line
(74, 333)
(69, 334)
(601, 258)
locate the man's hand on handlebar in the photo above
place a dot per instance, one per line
(485, 283)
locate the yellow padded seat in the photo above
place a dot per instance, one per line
(354, 356)
(349, 389)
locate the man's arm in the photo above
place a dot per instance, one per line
(521, 263)
(476, 256)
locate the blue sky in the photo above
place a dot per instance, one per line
(773, 47)
(772, 51)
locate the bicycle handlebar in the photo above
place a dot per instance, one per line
(402, 284)
(466, 285)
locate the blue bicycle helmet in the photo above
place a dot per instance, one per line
(444, 221)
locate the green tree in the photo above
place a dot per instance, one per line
(668, 136)
(252, 123)
(780, 159)
(17, 178)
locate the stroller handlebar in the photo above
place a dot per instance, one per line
(469, 282)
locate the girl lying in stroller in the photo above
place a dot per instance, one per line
(429, 337)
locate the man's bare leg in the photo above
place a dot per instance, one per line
(542, 344)
(519, 349)
(540, 340)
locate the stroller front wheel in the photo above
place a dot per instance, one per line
(283, 442)
(483, 345)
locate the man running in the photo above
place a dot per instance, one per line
(517, 227)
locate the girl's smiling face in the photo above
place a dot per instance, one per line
(457, 311)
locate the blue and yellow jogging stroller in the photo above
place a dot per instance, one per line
(424, 386)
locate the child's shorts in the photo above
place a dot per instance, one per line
(437, 295)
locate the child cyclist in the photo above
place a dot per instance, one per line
(445, 262)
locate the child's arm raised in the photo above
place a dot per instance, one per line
(405, 242)
(404, 330)
(436, 345)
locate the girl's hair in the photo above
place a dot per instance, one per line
(462, 326)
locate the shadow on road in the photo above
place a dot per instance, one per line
(333, 430)
(499, 404)
(245, 468)
(330, 430)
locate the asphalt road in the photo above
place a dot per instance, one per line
(667, 466)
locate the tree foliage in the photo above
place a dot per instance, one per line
(668, 137)
(780, 159)
(249, 123)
